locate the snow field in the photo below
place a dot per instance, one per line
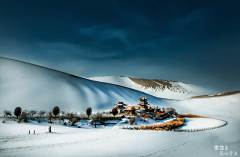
(200, 123)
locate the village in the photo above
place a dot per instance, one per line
(120, 114)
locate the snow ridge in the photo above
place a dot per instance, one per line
(156, 87)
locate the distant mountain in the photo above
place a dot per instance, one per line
(34, 87)
(156, 87)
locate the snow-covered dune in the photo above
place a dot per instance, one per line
(159, 88)
(34, 87)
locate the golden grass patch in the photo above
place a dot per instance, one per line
(166, 126)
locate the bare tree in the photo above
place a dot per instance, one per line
(89, 111)
(70, 116)
(176, 114)
(41, 113)
(56, 111)
(98, 118)
(28, 114)
(114, 111)
(171, 111)
(167, 110)
(62, 113)
(23, 117)
(33, 112)
(50, 117)
(61, 118)
(7, 113)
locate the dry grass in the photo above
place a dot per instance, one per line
(191, 116)
(158, 85)
(166, 126)
(217, 95)
(146, 83)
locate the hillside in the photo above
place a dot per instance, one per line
(34, 87)
(156, 87)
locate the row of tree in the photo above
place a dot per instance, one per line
(56, 110)
(18, 111)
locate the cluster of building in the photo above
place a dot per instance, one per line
(142, 107)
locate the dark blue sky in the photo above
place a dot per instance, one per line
(192, 41)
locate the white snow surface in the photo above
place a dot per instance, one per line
(200, 123)
(37, 88)
(112, 141)
(183, 90)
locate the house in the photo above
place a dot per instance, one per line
(157, 109)
(120, 106)
(143, 102)
(142, 107)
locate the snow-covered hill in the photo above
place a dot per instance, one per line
(34, 87)
(159, 88)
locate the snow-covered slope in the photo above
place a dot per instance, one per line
(34, 87)
(159, 88)
(111, 141)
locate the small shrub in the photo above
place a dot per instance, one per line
(132, 120)
(136, 128)
(75, 120)
(92, 122)
(61, 118)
